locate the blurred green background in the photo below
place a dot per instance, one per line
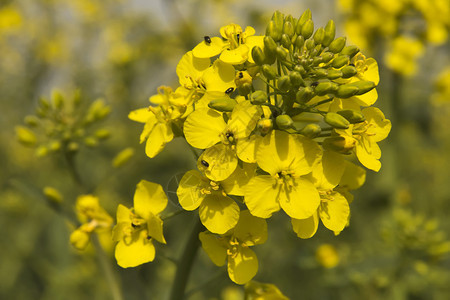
(397, 245)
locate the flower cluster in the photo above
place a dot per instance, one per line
(407, 25)
(281, 120)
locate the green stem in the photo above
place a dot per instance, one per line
(107, 269)
(323, 101)
(185, 262)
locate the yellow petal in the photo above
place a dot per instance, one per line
(246, 148)
(250, 230)
(155, 228)
(306, 228)
(134, 250)
(235, 183)
(219, 213)
(149, 198)
(189, 190)
(123, 214)
(251, 42)
(190, 69)
(243, 119)
(261, 196)
(368, 154)
(203, 128)
(221, 162)
(219, 77)
(300, 200)
(381, 126)
(206, 50)
(371, 74)
(368, 98)
(334, 213)
(235, 56)
(160, 135)
(140, 115)
(328, 173)
(243, 266)
(214, 247)
(354, 176)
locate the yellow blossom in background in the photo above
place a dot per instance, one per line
(136, 228)
(403, 54)
(327, 256)
(263, 291)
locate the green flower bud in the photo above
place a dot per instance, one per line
(290, 18)
(348, 71)
(299, 42)
(41, 151)
(311, 130)
(288, 29)
(320, 73)
(102, 134)
(285, 41)
(258, 97)
(319, 35)
(284, 122)
(363, 86)
(57, 99)
(31, 121)
(341, 144)
(91, 141)
(73, 147)
(224, 104)
(340, 61)
(346, 91)
(270, 49)
(325, 87)
(269, 72)
(337, 121)
(350, 51)
(278, 19)
(54, 146)
(327, 56)
(258, 55)
(353, 116)
(284, 83)
(52, 195)
(25, 136)
(43, 103)
(330, 32)
(265, 125)
(273, 32)
(337, 45)
(303, 18)
(245, 89)
(307, 29)
(309, 44)
(304, 95)
(296, 79)
(334, 74)
(122, 157)
(300, 69)
(282, 53)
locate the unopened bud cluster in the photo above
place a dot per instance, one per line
(64, 124)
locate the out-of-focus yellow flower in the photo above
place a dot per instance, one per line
(403, 54)
(327, 256)
(136, 228)
(442, 88)
(10, 19)
(263, 291)
(235, 247)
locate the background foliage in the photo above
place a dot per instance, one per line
(120, 51)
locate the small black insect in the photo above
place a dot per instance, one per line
(229, 91)
(238, 37)
(207, 39)
(314, 84)
(241, 75)
(351, 65)
(204, 163)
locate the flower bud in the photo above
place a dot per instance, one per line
(245, 89)
(265, 125)
(282, 53)
(337, 45)
(300, 69)
(73, 147)
(102, 134)
(363, 86)
(353, 116)
(273, 32)
(269, 72)
(285, 41)
(304, 95)
(296, 79)
(311, 130)
(304, 17)
(337, 121)
(334, 74)
(57, 100)
(346, 91)
(122, 157)
(299, 42)
(307, 29)
(258, 97)
(270, 49)
(309, 44)
(327, 56)
(320, 73)
(258, 55)
(79, 239)
(350, 51)
(284, 83)
(91, 141)
(31, 121)
(330, 32)
(25, 136)
(341, 144)
(288, 29)
(340, 61)
(348, 71)
(319, 35)
(284, 122)
(325, 87)
(52, 195)
(278, 19)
